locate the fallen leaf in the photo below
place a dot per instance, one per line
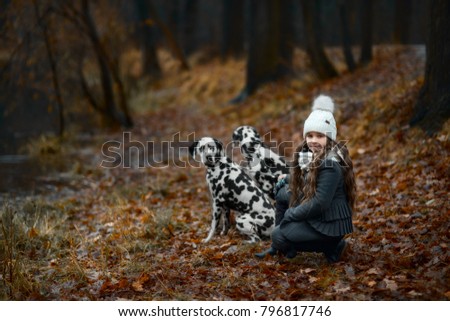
(391, 284)
(375, 271)
(371, 283)
(137, 286)
(350, 271)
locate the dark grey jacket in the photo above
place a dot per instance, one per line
(328, 211)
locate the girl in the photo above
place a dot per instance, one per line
(314, 212)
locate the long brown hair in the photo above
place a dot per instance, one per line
(303, 187)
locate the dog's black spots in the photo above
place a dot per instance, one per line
(267, 205)
(268, 222)
(232, 189)
(220, 176)
(270, 163)
(264, 164)
(238, 189)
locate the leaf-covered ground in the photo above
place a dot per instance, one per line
(90, 233)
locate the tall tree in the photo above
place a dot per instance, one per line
(108, 72)
(147, 39)
(114, 113)
(4, 5)
(232, 43)
(43, 21)
(402, 20)
(432, 108)
(110, 106)
(190, 20)
(168, 34)
(313, 36)
(366, 31)
(287, 28)
(345, 32)
(264, 41)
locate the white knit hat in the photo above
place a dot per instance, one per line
(321, 119)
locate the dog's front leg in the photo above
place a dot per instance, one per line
(245, 225)
(226, 222)
(216, 212)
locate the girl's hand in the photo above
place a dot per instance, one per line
(281, 182)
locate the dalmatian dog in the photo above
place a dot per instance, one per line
(232, 189)
(244, 132)
(263, 165)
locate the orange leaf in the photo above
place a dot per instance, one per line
(218, 256)
(33, 232)
(138, 285)
(123, 283)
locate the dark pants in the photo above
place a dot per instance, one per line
(306, 240)
(281, 204)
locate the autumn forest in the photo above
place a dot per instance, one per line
(101, 99)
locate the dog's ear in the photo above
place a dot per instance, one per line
(193, 148)
(237, 134)
(219, 145)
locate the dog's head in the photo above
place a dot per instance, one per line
(250, 148)
(209, 149)
(245, 132)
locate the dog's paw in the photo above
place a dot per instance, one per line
(253, 239)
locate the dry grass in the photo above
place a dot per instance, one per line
(135, 233)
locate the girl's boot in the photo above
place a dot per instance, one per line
(271, 251)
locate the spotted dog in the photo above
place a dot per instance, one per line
(244, 132)
(262, 163)
(232, 189)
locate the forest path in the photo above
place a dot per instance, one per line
(135, 232)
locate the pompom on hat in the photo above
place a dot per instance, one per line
(321, 119)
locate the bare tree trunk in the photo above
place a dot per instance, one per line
(345, 31)
(107, 83)
(4, 5)
(87, 92)
(366, 34)
(286, 38)
(314, 45)
(232, 43)
(432, 108)
(146, 35)
(402, 20)
(171, 40)
(121, 93)
(189, 16)
(43, 25)
(263, 52)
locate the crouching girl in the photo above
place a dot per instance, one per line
(315, 202)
